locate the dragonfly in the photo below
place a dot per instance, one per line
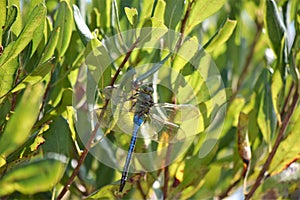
(159, 115)
(133, 106)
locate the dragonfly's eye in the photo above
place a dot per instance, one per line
(147, 89)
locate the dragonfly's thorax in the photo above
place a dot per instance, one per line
(144, 101)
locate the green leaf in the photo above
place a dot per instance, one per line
(276, 88)
(36, 76)
(266, 117)
(15, 48)
(201, 10)
(152, 31)
(49, 49)
(65, 22)
(191, 179)
(173, 13)
(105, 192)
(2, 19)
(37, 176)
(221, 36)
(19, 125)
(38, 35)
(186, 53)
(17, 25)
(288, 150)
(160, 11)
(12, 13)
(83, 30)
(146, 12)
(274, 26)
(131, 14)
(7, 72)
(57, 134)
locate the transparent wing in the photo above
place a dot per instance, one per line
(172, 122)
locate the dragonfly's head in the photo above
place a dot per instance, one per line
(148, 89)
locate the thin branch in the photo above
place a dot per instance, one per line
(183, 26)
(276, 145)
(248, 60)
(97, 126)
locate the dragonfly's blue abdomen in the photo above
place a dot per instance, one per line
(138, 120)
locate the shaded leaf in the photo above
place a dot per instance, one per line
(275, 27)
(191, 179)
(173, 13)
(18, 127)
(65, 22)
(266, 117)
(57, 134)
(37, 176)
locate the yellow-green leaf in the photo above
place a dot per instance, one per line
(37, 17)
(221, 36)
(288, 150)
(22, 120)
(201, 10)
(131, 14)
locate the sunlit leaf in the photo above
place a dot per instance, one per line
(160, 10)
(17, 25)
(83, 30)
(37, 176)
(131, 14)
(2, 18)
(288, 151)
(11, 16)
(18, 127)
(36, 76)
(105, 192)
(221, 36)
(36, 18)
(201, 10)
(7, 72)
(276, 88)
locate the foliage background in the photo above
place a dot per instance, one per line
(255, 45)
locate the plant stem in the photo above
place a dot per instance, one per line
(276, 145)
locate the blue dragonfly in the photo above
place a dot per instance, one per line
(158, 115)
(133, 106)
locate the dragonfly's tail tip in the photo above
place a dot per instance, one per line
(122, 184)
